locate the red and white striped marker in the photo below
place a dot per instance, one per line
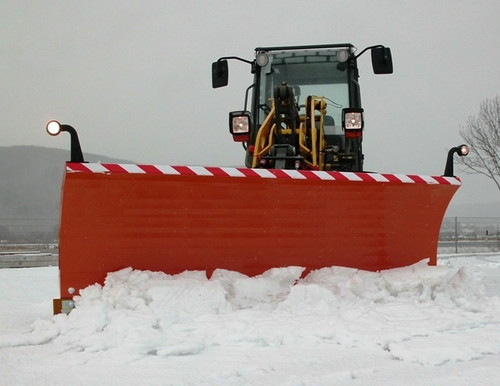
(258, 173)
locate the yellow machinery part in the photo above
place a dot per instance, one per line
(313, 152)
(265, 137)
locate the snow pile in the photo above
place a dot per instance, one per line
(418, 314)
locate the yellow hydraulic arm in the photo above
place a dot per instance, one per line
(311, 134)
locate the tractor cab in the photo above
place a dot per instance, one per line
(305, 108)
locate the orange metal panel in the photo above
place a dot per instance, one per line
(173, 223)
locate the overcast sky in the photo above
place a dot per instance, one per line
(134, 76)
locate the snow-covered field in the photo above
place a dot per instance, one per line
(417, 325)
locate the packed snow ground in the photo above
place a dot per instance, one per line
(337, 326)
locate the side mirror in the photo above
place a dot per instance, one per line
(381, 60)
(220, 74)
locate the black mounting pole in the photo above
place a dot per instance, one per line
(76, 150)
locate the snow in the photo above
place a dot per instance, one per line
(337, 326)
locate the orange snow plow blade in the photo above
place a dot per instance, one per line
(172, 219)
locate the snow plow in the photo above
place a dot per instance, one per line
(302, 199)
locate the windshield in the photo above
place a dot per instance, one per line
(315, 72)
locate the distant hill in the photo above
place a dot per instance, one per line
(30, 181)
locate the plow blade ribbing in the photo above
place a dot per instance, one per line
(172, 219)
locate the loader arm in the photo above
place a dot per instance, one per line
(280, 125)
(265, 137)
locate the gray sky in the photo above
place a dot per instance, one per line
(134, 76)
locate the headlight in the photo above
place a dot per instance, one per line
(352, 119)
(239, 125)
